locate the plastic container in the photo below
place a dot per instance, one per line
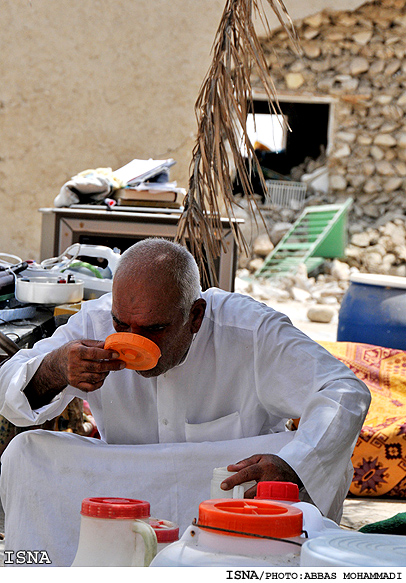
(219, 475)
(314, 523)
(166, 532)
(285, 194)
(354, 549)
(373, 311)
(47, 290)
(138, 352)
(238, 532)
(114, 532)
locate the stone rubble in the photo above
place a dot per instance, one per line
(356, 59)
(380, 250)
(322, 294)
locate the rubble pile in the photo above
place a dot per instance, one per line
(322, 294)
(379, 250)
(357, 59)
(376, 250)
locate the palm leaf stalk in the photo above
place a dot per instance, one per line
(222, 106)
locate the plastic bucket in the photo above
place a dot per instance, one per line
(373, 311)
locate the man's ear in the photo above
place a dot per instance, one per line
(196, 315)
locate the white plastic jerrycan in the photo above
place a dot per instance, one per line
(219, 475)
(238, 532)
(114, 532)
(314, 523)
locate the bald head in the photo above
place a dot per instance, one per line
(163, 262)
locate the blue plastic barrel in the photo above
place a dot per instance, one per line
(373, 311)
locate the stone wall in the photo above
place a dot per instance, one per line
(357, 58)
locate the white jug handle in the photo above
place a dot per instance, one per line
(149, 538)
(238, 492)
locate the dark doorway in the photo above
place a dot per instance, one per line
(307, 138)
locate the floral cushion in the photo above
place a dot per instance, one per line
(379, 457)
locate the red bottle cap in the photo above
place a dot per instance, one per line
(166, 531)
(115, 508)
(283, 491)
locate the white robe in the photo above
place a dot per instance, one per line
(248, 371)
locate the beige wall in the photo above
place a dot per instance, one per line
(90, 83)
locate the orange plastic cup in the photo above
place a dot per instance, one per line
(138, 352)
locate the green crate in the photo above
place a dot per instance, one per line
(320, 232)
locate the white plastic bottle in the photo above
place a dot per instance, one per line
(114, 532)
(219, 475)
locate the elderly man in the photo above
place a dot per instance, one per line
(232, 371)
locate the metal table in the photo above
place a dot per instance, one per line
(25, 333)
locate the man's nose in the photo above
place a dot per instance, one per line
(140, 331)
(136, 330)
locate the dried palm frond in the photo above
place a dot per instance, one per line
(222, 106)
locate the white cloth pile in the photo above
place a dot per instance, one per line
(62, 469)
(89, 186)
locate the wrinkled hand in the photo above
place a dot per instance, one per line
(85, 364)
(261, 468)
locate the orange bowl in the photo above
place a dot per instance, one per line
(138, 352)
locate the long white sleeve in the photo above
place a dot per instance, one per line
(329, 399)
(16, 373)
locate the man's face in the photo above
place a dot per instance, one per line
(151, 310)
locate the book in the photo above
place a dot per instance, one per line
(154, 198)
(146, 194)
(138, 171)
(134, 204)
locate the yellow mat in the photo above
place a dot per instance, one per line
(379, 457)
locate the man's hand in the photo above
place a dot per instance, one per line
(261, 468)
(83, 364)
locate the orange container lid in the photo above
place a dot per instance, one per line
(257, 517)
(138, 352)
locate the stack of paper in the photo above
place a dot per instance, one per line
(146, 183)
